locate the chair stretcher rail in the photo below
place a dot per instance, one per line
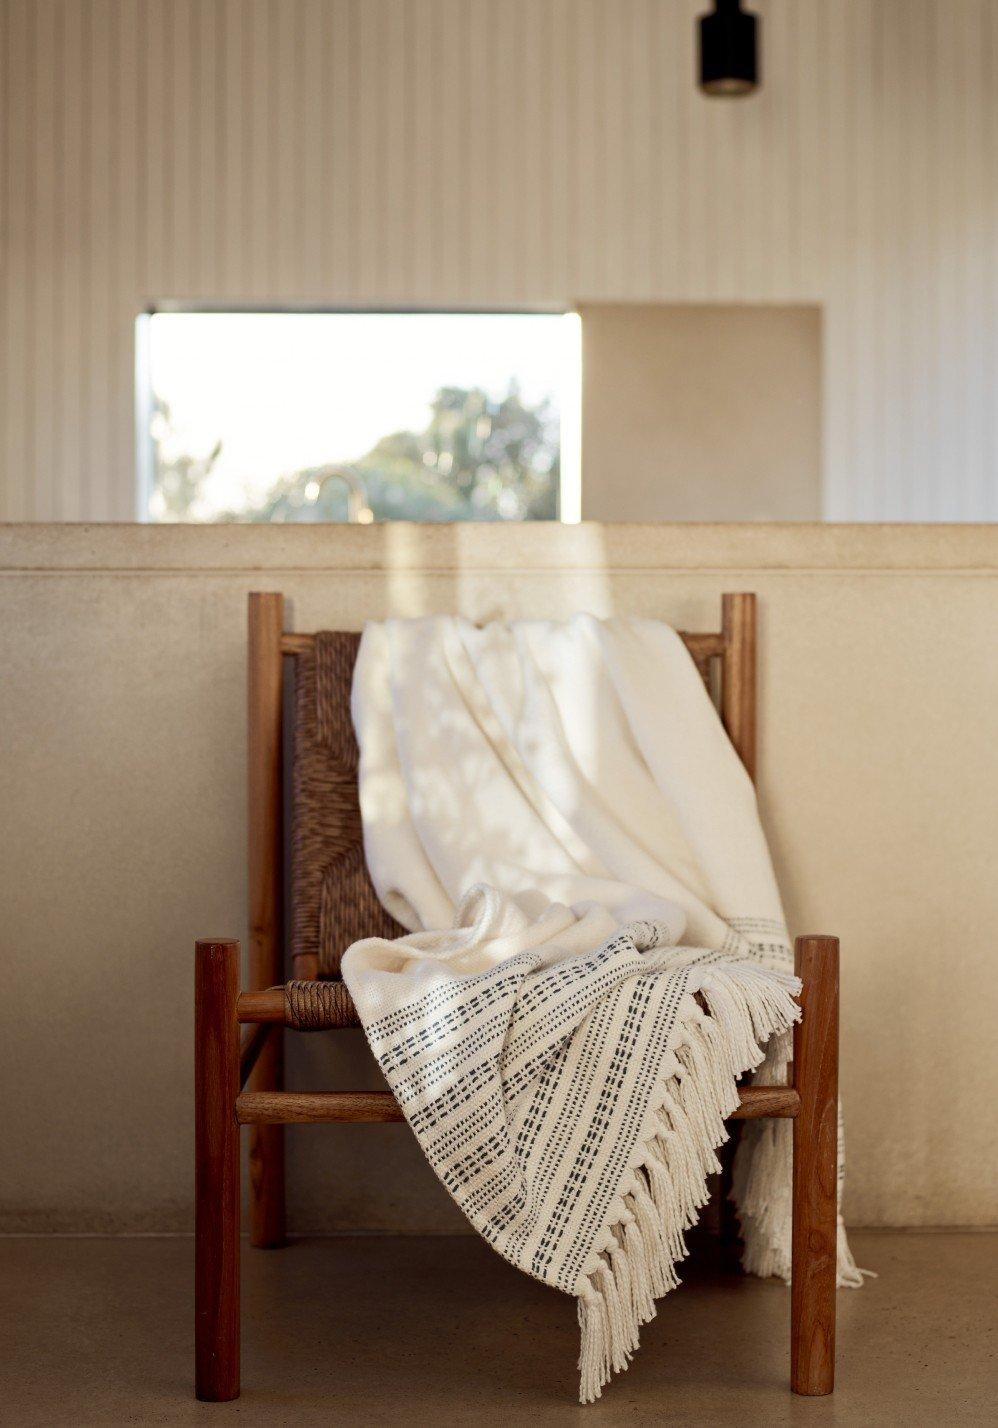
(700, 645)
(264, 1108)
(286, 1107)
(261, 1006)
(273, 1006)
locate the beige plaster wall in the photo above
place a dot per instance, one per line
(121, 784)
(701, 412)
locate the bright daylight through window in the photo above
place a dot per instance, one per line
(317, 416)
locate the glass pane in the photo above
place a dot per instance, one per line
(362, 416)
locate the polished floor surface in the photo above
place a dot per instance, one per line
(441, 1332)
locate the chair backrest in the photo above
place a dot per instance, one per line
(332, 900)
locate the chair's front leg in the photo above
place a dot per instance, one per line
(815, 1173)
(216, 1171)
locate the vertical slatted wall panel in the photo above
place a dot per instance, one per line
(497, 152)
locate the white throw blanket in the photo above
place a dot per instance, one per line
(598, 949)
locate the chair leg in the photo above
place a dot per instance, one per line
(815, 1172)
(266, 1154)
(216, 1171)
(265, 705)
(730, 1230)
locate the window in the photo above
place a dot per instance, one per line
(267, 416)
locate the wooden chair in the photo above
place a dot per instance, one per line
(332, 903)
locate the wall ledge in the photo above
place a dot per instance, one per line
(541, 546)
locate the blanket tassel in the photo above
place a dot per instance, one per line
(637, 1263)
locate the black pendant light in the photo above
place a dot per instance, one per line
(729, 49)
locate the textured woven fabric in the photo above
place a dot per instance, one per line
(597, 953)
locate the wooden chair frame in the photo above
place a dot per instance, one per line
(225, 1064)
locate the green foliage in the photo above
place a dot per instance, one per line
(179, 476)
(477, 459)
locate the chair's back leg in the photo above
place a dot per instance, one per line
(266, 911)
(815, 1173)
(738, 712)
(216, 1171)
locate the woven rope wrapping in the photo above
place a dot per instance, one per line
(315, 1006)
(332, 900)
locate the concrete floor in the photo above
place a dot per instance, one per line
(441, 1331)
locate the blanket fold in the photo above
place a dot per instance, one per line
(597, 950)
